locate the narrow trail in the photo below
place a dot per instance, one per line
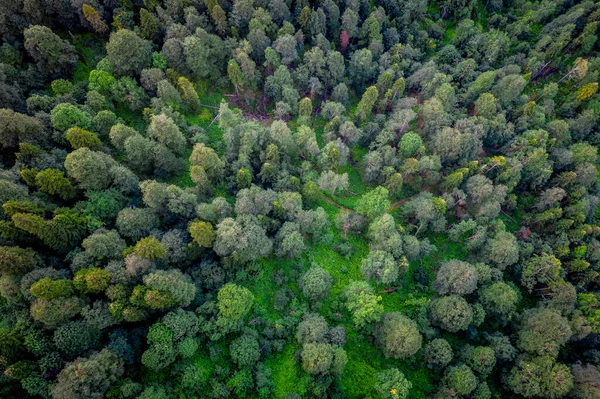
(399, 203)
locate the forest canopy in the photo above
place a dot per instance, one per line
(299, 199)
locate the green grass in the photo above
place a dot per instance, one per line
(90, 49)
(288, 376)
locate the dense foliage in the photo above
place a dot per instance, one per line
(299, 199)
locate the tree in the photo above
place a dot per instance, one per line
(382, 267)
(244, 351)
(104, 244)
(455, 277)
(362, 68)
(374, 203)
(119, 133)
(368, 100)
(220, 19)
(88, 377)
(398, 336)
(164, 130)
(17, 260)
(540, 377)
(18, 128)
(485, 105)
(54, 182)
(136, 223)
(499, 298)
(543, 269)
(94, 19)
(89, 168)
(410, 143)
(150, 248)
(149, 27)
(75, 337)
(242, 240)
(208, 159)
(391, 384)
(364, 305)
(484, 360)
(543, 332)
(286, 46)
(585, 379)
(51, 54)
(452, 313)
(79, 138)
(66, 115)
(321, 358)
(332, 181)
(128, 53)
(202, 233)
(91, 280)
(312, 328)
(139, 152)
(437, 354)
(234, 302)
(168, 288)
(316, 283)
(290, 241)
(461, 379)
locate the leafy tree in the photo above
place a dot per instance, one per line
(364, 305)
(410, 143)
(94, 19)
(91, 280)
(46, 288)
(365, 106)
(316, 283)
(18, 128)
(65, 116)
(499, 298)
(164, 130)
(289, 241)
(51, 54)
(543, 269)
(128, 53)
(452, 313)
(374, 203)
(136, 223)
(332, 181)
(234, 302)
(382, 267)
(543, 332)
(391, 384)
(54, 182)
(437, 354)
(89, 168)
(79, 138)
(398, 336)
(75, 337)
(540, 377)
(202, 233)
(312, 328)
(150, 248)
(461, 379)
(208, 159)
(241, 239)
(88, 377)
(244, 351)
(17, 260)
(455, 277)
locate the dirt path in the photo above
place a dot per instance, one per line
(332, 202)
(399, 203)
